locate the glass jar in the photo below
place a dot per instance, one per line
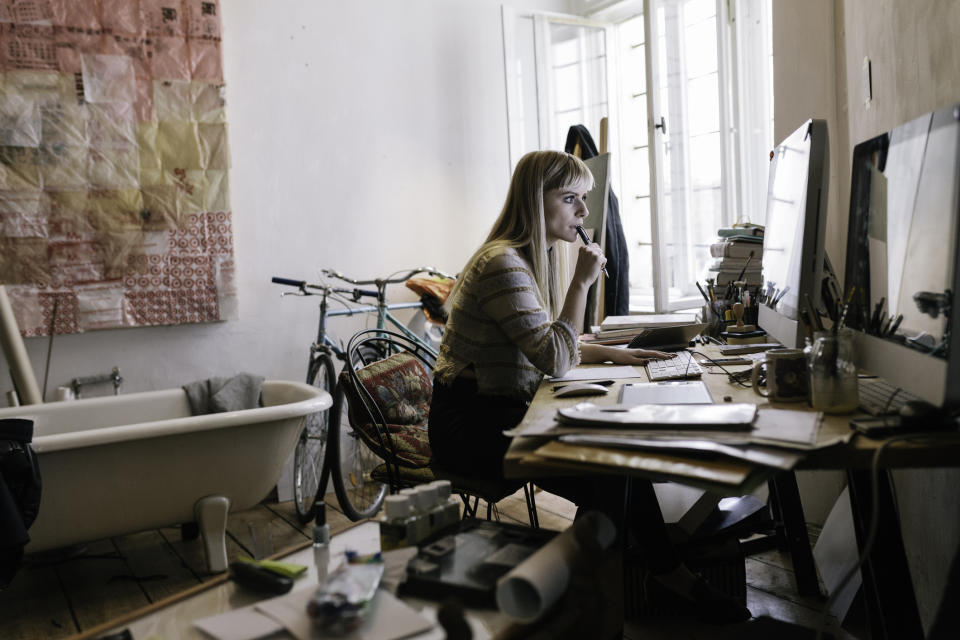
(833, 374)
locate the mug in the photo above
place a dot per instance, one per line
(786, 379)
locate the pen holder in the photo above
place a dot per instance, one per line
(833, 374)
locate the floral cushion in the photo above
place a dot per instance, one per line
(401, 387)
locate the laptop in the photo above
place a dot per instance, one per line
(666, 338)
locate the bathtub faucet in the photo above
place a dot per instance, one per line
(114, 377)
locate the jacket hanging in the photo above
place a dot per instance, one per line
(617, 292)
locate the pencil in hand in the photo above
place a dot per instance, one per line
(586, 240)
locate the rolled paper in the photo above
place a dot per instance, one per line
(16, 353)
(533, 586)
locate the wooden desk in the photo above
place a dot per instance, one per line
(521, 461)
(890, 598)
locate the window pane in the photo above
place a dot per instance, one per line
(631, 31)
(567, 92)
(701, 48)
(634, 126)
(695, 11)
(521, 76)
(705, 160)
(635, 216)
(703, 105)
(636, 173)
(579, 80)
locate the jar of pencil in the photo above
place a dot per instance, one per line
(833, 374)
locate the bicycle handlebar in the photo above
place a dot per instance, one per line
(330, 273)
(288, 282)
(303, 285)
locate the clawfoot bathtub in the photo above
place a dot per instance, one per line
(121, 464)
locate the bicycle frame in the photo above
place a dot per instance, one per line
(382, 309)
(324, 348)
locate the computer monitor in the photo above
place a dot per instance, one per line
(902, 252)
(795, 224)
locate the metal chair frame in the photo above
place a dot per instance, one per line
(371, 345)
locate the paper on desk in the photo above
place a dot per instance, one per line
(715, 472)
(389, 619)
(598, 373)
(240, 624)
(765, 456)
(661, 416)
(787, 427)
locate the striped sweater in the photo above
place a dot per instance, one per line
(499, 325)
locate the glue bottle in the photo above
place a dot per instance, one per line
(321, 543)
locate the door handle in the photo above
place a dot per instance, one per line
(662, 125)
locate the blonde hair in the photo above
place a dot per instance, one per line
(521, 223)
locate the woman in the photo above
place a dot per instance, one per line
(510, 325)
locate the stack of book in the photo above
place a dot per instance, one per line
(737, 255)
(622, 329)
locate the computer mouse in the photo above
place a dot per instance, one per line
(580, 389)
(917, 411)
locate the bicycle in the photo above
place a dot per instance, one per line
(328, 443)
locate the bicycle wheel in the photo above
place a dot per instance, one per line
(360, 496)
(311, 447)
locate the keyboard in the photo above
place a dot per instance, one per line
(879, 397)
(678, 368)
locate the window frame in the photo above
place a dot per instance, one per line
(734, 181)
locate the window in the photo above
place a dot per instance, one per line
(691, 167)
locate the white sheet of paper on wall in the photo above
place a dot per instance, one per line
(108, 79)
(19, 121)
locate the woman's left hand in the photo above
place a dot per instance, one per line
(595, 353)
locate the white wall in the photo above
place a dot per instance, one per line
(804, 86)
(365, 136)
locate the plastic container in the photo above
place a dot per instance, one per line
(321, 543)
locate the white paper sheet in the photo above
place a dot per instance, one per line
(599, 373)
(389, 619)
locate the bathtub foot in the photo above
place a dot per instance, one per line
(211, 514)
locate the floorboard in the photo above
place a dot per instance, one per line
(117, 576)
(99, 586)
(155, 565)
(34, 606)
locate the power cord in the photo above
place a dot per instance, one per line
(874, 515)
(733, 377)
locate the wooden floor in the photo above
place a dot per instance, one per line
(56, 597)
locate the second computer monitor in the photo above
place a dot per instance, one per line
(794, 236)
(903, 260)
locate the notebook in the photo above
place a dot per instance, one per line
(674, 392)
(667, 338)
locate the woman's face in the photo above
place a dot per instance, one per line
(563, 211)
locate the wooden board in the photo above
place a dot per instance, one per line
(34, 606)
(156, 566)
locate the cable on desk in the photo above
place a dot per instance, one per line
(732, 378)
(874, 514)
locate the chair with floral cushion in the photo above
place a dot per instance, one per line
(388, 386)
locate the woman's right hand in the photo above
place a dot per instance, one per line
(590, 260)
